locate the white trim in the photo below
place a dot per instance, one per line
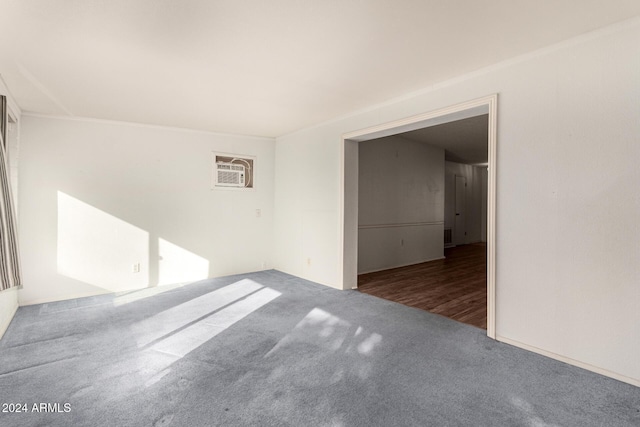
(491, 216)
(341, 218)
(461, 111)
(346, 235)
(402, 265)
(405, 224)
(143, 125)
(570, 361)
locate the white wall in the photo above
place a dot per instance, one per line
(475, 200)
(401, 203)
(9, 297)
(8, 307)
(567, 196)
(13, 155)
(98, 197)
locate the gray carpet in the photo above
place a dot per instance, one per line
(270, 349)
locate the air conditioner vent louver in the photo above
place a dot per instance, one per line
(229, 175)
(230, 166)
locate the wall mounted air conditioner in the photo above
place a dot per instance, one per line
(229, 175)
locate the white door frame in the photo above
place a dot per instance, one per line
(348, 187)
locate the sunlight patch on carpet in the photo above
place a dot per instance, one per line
(193, 336)
(330, 333)
(177, 317)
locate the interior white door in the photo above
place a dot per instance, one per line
(459, 229)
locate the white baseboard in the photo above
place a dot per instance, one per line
(401, 265)
(7, 321)
(570, 361)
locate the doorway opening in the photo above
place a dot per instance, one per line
(405, 232)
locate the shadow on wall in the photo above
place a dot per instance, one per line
(104, 251)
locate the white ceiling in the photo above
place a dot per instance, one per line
(464, 141)
(260, 67)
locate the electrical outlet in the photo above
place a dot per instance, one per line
(136, 267)
(258, 213)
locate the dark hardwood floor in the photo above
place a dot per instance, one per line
(455, 287)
